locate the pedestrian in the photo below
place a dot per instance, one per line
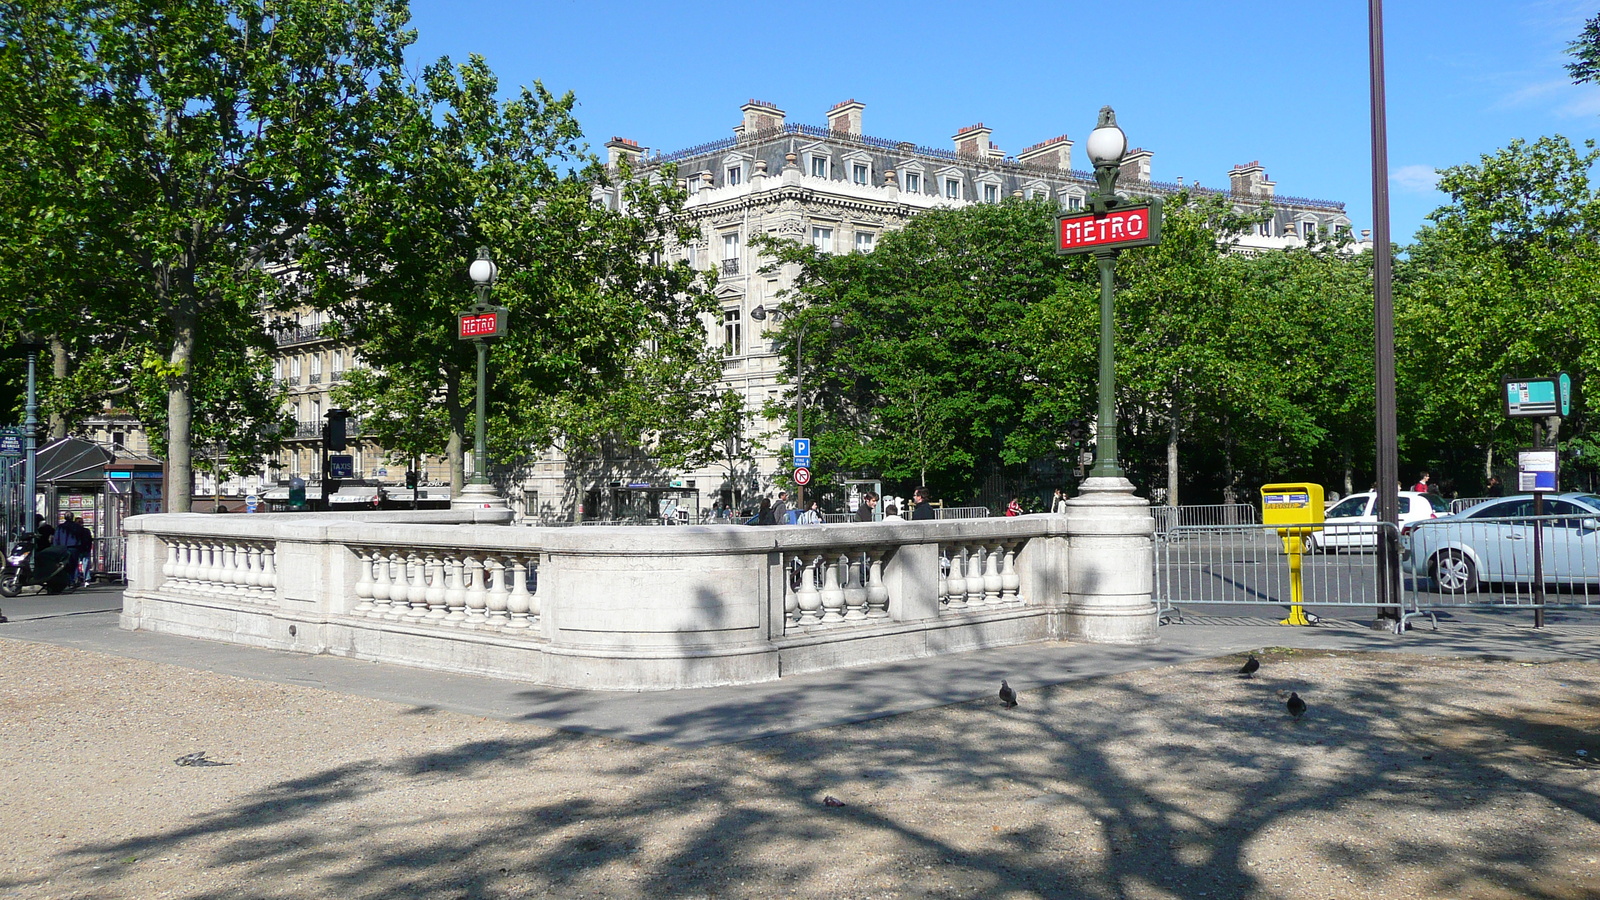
(812, 515)
(764, 516)
(922, 510)
(1014, 508)
(780, 509)
(867, 510)
(1495, 489)
(1059, 503)
(891, 513)
(1421, 486)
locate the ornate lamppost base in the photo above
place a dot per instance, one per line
(1110, 561)
(479, 496)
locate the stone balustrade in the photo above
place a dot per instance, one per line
(629, 608)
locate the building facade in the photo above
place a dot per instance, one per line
(838, 189)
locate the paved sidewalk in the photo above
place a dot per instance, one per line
(725, 715)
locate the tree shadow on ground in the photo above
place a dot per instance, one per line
(1187, 784)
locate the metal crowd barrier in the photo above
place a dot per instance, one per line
(1198, 565)
(1170, 518)
(1490, 563)
(1460, 503)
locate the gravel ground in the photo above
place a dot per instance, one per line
(1409, 777)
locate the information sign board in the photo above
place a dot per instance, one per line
(1537, 397)
(1115, 229)
(1536, 470)
(341, 465)
(11, 441)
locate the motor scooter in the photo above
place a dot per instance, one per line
(49, 569)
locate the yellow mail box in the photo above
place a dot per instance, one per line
(1291, 504)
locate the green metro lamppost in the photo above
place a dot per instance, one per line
(481, 323)
(1112, 224)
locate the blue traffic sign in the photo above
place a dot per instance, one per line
(800, 447)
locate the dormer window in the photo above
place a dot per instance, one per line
(860, 173)
(819, 165)
(991, 193)
(735, 175)
(912, 182)
(952, 188)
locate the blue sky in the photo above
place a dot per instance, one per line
(1204, 84)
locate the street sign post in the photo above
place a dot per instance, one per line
(1116, 229)
(481, 321)
(11, 442)
(802, 476)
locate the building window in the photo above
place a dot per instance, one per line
(1265, 228)
(730, 245)
(732, 340)
(690, 254)
(859, 173)
(294, 370)
(735, 175)
(1074, 202)
(1341, 231)
(819, 166)
(864, 241)
(1308, 229)
(822, 238)
(952, 188)
(991, 193)
(913, 183)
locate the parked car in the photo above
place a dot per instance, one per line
(1353, 522)
(1492, 543)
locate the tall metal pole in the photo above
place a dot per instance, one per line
(1388, 465)
(30, 426)
(799, 414)
(480, 442)
(1105, 444)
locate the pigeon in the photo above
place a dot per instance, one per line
(1007, 695)
(1297, 707)
(197, 758)
(1250, 666)
(831, 800)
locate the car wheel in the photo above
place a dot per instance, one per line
(1453, 573)
(1308, 544)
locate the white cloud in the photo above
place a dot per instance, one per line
(1414, 179)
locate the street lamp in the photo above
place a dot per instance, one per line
(1112, 224)
(481, 323)
(758, 314)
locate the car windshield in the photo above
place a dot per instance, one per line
(1438, 503)
(1349, 506)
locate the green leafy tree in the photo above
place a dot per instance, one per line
(605, 336)
(1502, 283)
(1585, 66)
(219, 129)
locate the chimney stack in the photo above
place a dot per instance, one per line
(973, 141)
(1055, 153)
(1250, 180)
(617, 148)
(759, 116)
(1136, 165)
(845, 118)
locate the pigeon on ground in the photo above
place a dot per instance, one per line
(1297, 707)
(831, 800)
(1007, 695)
(1250, 666)
(197, 758)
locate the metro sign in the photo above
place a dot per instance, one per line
(1126, 226)
(481, 322)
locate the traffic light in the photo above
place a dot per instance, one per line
(336, 431)
(413, 477)
(297, 493)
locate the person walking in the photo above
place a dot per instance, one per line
(1058, 504)
(1421, 486)
(891, 513)
(921, 510)
(1014, 508)
(867, 510)
(780, 509)
(812, 515)
(764, 516)
(1495, 489)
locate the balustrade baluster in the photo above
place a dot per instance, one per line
(364, 606)
(807, 598)
(416, 588)
(1010, 583)
(253, 560)
(499, 594)
(433, 595)
(991, 574)
(877, 591)
(791, 596)
(169, 569)
(517, 603)
(477, 592)
(855, 592)
(535, 608)
(269, 571)
(455, 596)
(832, 593)
(956, 584)
(399, 594)
(974, 575)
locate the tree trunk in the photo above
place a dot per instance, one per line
(58, 374)
(1229, 495)
(1488, 463)
(455, 444)
(180, 465)
(1172, 456)
(1349, 475)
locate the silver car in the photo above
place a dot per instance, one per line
(1492, 543)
